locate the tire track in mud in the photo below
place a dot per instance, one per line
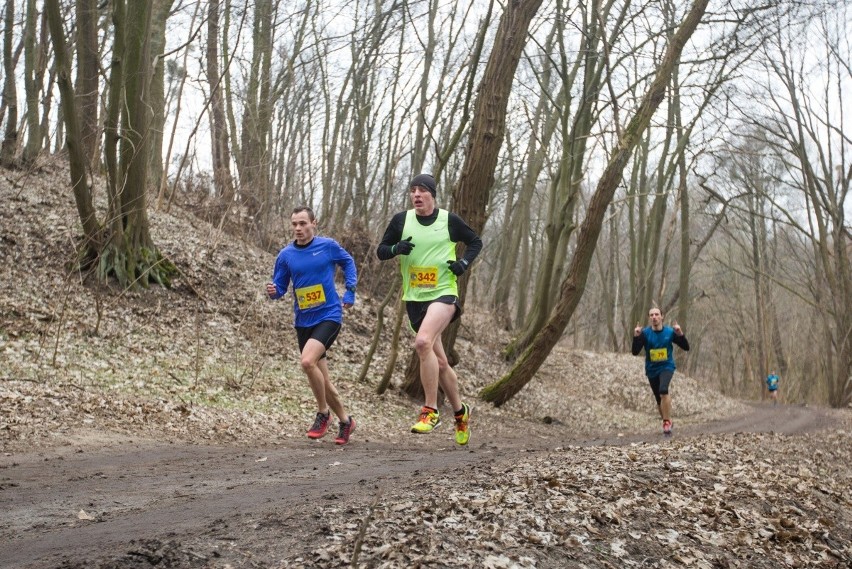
(253, 499)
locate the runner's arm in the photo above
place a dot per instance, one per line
(638, 344)
(461, 232)
(681, 342)
(350, 272)
(280, 277)
(393, 235)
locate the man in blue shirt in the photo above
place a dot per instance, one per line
(658, 342)
(309, 262)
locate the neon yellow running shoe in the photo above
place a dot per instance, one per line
(463, 425)
(429, 419)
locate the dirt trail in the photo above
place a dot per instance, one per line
(251, 507)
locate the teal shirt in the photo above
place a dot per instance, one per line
(772, 382)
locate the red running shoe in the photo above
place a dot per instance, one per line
(320, 426)
(667, 428)
(345, 430)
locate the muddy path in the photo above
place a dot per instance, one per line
(148, 503)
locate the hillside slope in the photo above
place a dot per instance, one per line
(166, 428)
(213, 360)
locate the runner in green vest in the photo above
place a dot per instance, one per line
(425, 239)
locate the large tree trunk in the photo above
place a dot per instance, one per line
(473, 191)
(87, 77)
(112, 126)
(76, 156)
(574, 284)
(32, 86)
(10, 95)
(129, 253)
(157, 91)
(257, 118)
(222, 179)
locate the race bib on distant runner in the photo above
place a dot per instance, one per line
(310, 296)
(659, 355)
(423, 277)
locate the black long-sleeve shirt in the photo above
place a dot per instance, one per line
(459, 232)
(639, 343)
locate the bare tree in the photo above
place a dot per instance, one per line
(86, 85)
(816, 145)
(10, 96)
(221, 154)
(574, 284)
(156, 95)
(254, 160)
(124, 248)
(32, 85)
(76, 155)
(574, 126)
(472, 192)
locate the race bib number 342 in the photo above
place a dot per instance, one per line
(423, 277)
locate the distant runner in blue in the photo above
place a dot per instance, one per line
(659, 341)
(772, 385)
(309, 263)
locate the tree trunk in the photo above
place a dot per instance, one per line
(129, 253)
(574, 284)
(257, 116)
(157, 93)
(32, 86)
(221, 154)
(136, 136)
(394, 349)
(112, 126)
(10, 96)
(473, 191)
(76, 156)
(86, 87)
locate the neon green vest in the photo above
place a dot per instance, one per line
(425, 272)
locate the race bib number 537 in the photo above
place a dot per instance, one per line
(310, 296)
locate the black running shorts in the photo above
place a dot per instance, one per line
(417, 310)
(325, 333)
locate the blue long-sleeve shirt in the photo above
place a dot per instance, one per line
(310, 268)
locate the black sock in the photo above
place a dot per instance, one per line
(460, 412)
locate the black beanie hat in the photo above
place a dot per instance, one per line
(424, 180)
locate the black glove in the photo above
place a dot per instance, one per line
(457, 267)
(403, 247)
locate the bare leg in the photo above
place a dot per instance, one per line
(318, 379)
(438, 316)
(331, 394)
(666, 407)
(447, 378)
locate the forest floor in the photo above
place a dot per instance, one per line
(165, 428)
